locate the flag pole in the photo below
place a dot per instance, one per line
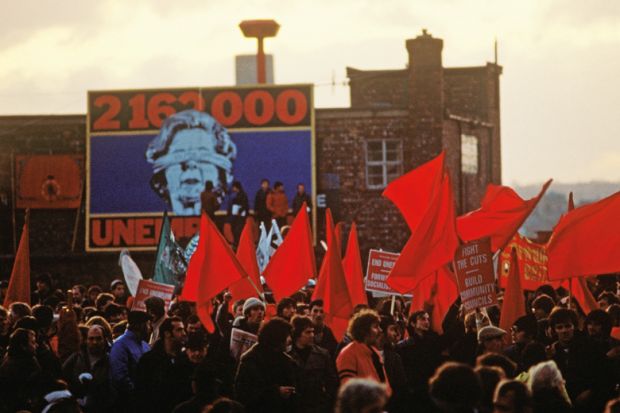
(13, 203)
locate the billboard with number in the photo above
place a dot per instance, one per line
(154, 150)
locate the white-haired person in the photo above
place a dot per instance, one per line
(548, 388)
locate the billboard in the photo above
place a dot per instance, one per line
(153, 150)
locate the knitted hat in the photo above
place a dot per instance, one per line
(252, 302)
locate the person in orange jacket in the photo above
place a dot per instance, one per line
(277, 204)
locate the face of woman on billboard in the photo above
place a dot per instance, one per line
(186, 178)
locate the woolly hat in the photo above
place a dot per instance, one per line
(252, 302)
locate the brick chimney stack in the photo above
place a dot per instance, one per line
(426, 100)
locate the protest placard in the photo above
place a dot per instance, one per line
(240, 342)
(148, 288)
(473, 263)
(380, 263)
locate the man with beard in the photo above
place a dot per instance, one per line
(361, 358)
(159, 384)
(191, 149)
(87, 372)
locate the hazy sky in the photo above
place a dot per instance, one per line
(560, 91)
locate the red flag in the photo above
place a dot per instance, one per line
(431, 245)
(582, 294)
(332, 283)
(585, 241)
(353, 272)
(246, 254)
(579, 288)
(514, 300)
(332, 236)
(501, 214)
(438, 291)
(293, 262)
(217, 269)
(19, 284)
(413, 192)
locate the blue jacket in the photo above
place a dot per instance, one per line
(124, 356)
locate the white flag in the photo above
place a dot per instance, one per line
(130, 271)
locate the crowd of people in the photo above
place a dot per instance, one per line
(269, 203)
(85, 349)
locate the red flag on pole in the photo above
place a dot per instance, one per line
(585, 240)
(582, 294)
(246, 254)
(501, 214)
(293, 262)
(333, 240)
(439, 291)
(218, 269)
(432, 243)
(335, 294)
(413, 192)
(353, 272)
(578, 286)
(514, 300)
(19, 284)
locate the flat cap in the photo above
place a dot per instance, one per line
(490, 332)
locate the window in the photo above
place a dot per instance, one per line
(384, 162)
(469, 154)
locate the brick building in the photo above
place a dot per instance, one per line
(398, 119)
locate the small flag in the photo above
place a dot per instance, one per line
(131, 272)
(169, 261)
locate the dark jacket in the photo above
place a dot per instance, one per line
(584, 367)
(398, 381)
(97, 391)
(299, 200)
(160, 383)
(325, 338)
(421, 355)
(260, 206)
(19, 375)
(261, 373)
(209, 203)
(240, 203)
(317, 380)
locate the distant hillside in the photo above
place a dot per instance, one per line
(554, 203)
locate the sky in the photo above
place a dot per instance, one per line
(560, 99)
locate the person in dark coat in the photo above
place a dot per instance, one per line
(125, 354)
(421, 355)
(323, 335)
(19, 371)
(159, 384)
(394, 368)
(300, 197)
(318, 380)
(87, 372)
(260, 204)
(238, 210)
(266, 378)
(209, 201)
(583, 365)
